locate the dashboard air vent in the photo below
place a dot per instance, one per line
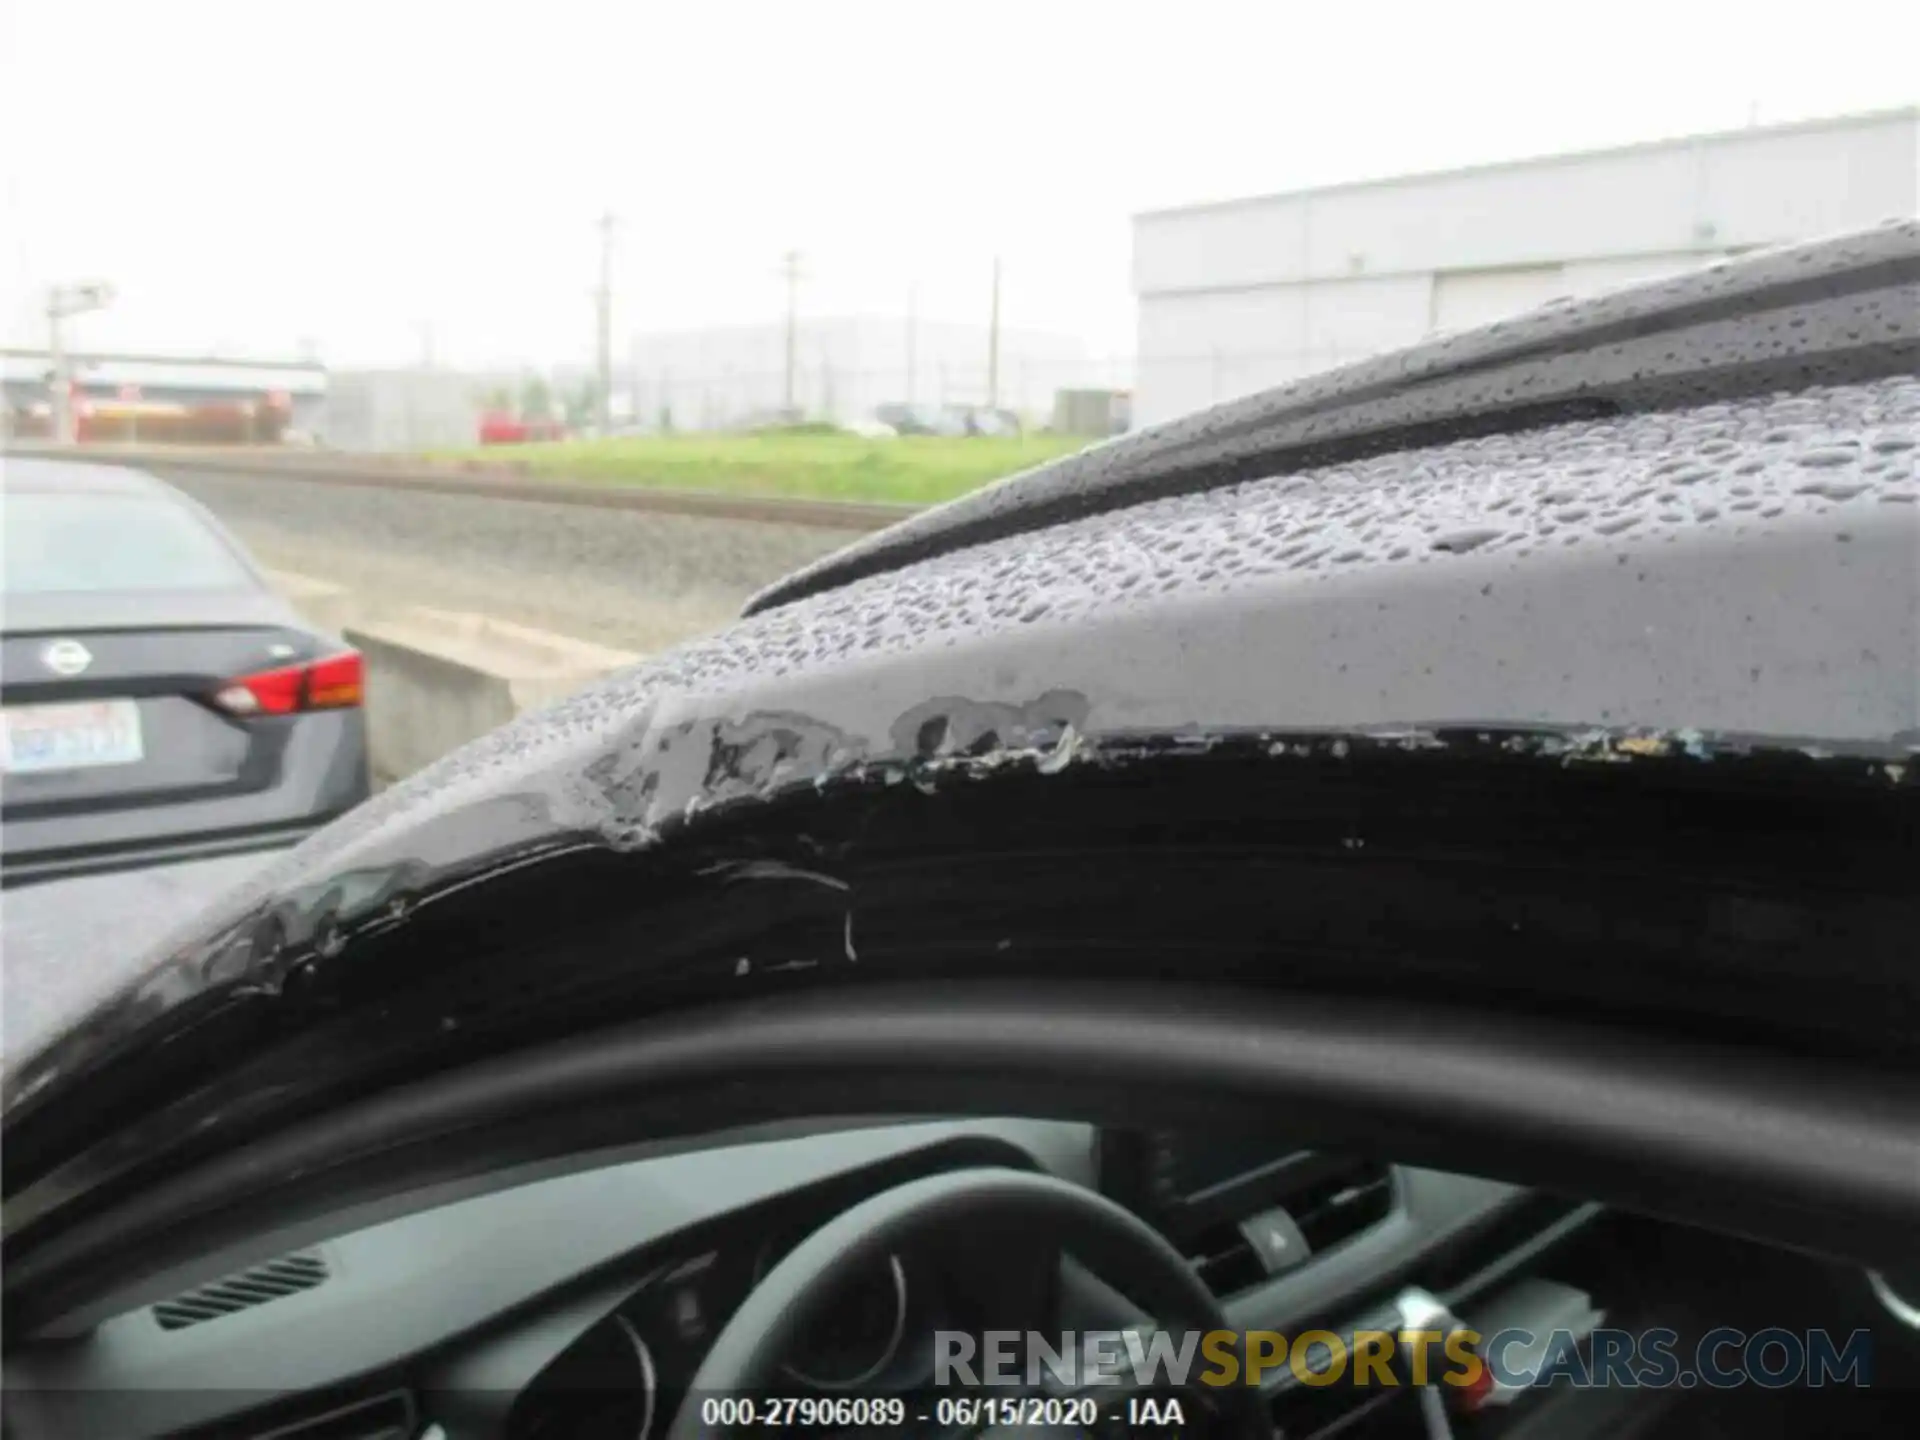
(288, 1275)
(1340, 1204)
(1224, 1260)
(1330, 1198)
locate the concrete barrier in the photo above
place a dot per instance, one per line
(439, 678)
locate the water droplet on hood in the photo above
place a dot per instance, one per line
(1832, 489)
(1827, 458)
(1459, 542)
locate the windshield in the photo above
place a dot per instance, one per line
(61, 544)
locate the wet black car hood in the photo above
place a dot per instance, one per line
(1674, 527)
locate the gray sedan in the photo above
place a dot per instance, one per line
(161, 702)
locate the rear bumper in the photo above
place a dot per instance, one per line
(324, 773)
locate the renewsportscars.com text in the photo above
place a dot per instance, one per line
(1465, 1359)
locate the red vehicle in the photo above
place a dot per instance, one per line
(500, 428)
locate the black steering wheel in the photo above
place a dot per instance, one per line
(1113, 1242)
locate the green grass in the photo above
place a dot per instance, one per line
(913, 469)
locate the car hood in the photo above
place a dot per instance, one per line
(67, 939)
(1671, 526)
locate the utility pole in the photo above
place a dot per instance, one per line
(59, 382)
(913, 337)
(603, 317)
(790, 271)
(64, 302)
(993, 342)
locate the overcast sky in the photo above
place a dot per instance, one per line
(347, 172)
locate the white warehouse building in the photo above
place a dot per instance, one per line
(1244, 294)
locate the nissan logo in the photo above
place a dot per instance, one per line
(66, 657)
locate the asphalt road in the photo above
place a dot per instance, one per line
(636, 580)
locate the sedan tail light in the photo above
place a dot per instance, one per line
(332, 683)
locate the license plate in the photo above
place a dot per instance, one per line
(80, 736)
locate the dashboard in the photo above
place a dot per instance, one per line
(582, 1303)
